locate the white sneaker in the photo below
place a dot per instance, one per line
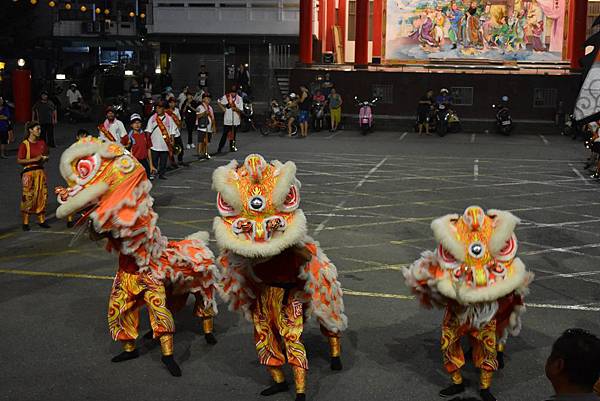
(188, 146)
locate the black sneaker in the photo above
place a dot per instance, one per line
(162, 177)
(70, 224)
(44, 225)
(486, 395)
(452, 390)
(26, 227)
(275, 388)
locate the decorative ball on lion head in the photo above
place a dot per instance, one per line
(258, 206)
(475, 260)
(94, 170)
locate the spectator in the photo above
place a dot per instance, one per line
(74, 97)
(304, 104)
(112, 129)
(326, 85)
(173, 112)
(32, 155)
(135, 94)
(232, 105)
(44, 111)
(141, 145)
(166, 80)
(202, 77)
(243, 78)
(423, 110)
(188, 110)
(6, 132)
(147, 88)
(335, 109)
(162, 129)
(319, 97)
(573, 366)
(207, 125)
(292, 112)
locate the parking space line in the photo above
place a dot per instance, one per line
(578, 173)
(333, 135)
(403, 136)
(472, 138)
(543, 138)
(56, 275)
(476, 169)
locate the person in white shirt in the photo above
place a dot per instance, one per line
(206, 125)
(112, 129)
(74, 97)
(232, 105)
(161, 128)
(175, 115)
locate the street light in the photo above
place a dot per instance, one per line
(128, 73)
(157, 70)
(61, 77)
(51, 3)
(83, 9)
(68, 6)
(21, 63)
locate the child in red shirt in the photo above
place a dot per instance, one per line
(140, 143)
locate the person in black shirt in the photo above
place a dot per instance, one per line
(423, 110)
(188, 112)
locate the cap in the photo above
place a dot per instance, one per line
(293, 95)
(109, 108)
(135, 117)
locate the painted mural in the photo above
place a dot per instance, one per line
(520, 30)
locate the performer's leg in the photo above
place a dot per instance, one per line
(161, 321)
(452, 353)
(123, 314)
(267, 345)
(290, 324)
(335, 349)
(207, 314)
(484, 358)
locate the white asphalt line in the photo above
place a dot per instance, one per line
(578, 173)
(565, 307)
(175, 186)
(476, 169)
(568, 275)
(333, 135)
(472, 138)
(403, 136)
(543, 138)
(340, 205)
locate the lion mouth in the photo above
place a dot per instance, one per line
(77, 198)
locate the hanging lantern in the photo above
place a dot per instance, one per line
(106, 11)
(51, 3)
(68, 6)
(142, 15)
(33, 2)
(83, 9)
(132, 14)
(98, 10)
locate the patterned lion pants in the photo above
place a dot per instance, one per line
(483, 341)
(129, 293)
(278, 316)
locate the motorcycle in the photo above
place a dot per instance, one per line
(247, 122)
(318, 116)
(276, 120)
(121, 108)
(504, 122)
(365, 115)
(446, 120)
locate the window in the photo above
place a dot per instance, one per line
(544, 98)
(352, 20)
(462, 95)
(385, 93)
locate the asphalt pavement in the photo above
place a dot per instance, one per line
(369, 202)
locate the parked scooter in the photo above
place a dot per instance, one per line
(318, 116)
(445, 120)
(365, 115)
(504, 122)
(247, 122)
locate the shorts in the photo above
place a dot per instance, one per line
(202, 134)
(3, 137)
(303, 116)
(422, 117)
(596, 147)
(336, 115)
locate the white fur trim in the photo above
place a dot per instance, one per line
(287, 177)
(293, 234)
(203, 236)
(444, 231)
(223, 182)
(504, 226)
(84, 198)
(467, 295)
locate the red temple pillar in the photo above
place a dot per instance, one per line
(361, 45)
(341, 20)
(21, 82)
(330, 22)
(377, 30)
(577, 31)
(306, 30)
(322, 16)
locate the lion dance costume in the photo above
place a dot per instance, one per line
(110, 186)
(475, 275)
(272, 271)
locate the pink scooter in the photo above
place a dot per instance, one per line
(365, 115)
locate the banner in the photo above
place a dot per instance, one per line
(515, 30)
